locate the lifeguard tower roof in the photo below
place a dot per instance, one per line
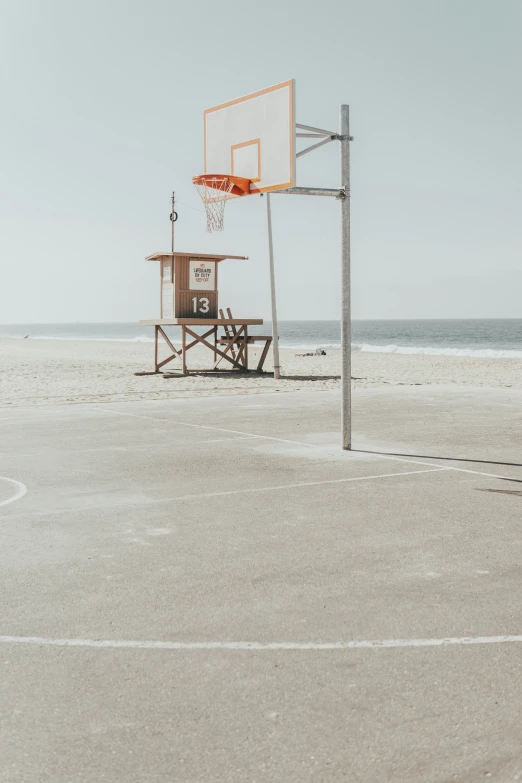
(214, 256)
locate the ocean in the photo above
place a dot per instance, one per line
(498, 338)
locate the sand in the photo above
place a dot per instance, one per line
(48, 372)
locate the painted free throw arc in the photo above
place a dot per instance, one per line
(41, 641)
(21, 489)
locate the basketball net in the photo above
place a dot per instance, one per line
(215, 192)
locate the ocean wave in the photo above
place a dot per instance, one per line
(477, 353)
(429, 350)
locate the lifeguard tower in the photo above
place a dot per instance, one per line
(189, 298)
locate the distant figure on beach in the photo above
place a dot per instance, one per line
(317, 352)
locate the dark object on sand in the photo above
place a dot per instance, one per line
(317, 352)
(26, 336)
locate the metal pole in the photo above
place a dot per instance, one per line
(173, 220)
(275, 335)
(346, 327)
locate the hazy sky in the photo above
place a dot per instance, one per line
(102, 105)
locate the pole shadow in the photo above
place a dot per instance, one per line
(448, 459)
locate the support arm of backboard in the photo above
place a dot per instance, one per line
(315, 146)
(319, 131)
(339, 193)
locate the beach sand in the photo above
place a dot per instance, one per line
(48, 372)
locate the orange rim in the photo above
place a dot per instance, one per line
(240, 185)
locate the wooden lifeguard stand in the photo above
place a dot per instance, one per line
(188, 298)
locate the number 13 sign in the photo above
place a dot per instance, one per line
(200, 304)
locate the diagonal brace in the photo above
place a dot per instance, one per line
(200, 339)
(315, 146)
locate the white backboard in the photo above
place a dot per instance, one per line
(254, 137)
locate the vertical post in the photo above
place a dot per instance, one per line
(346, 326)
(173, 220)
(156, 348)
(275, 333)
(183, 350)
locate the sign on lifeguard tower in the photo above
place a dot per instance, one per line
(202, 274)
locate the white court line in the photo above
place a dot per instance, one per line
(22, 489)
(449, 467)
(310, 445)
(226, 440)
(224, 493)
(303, 484)
(42, 641)
(202, 426)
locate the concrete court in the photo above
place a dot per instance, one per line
(137, 528)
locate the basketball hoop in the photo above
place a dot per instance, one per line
(215, 190)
